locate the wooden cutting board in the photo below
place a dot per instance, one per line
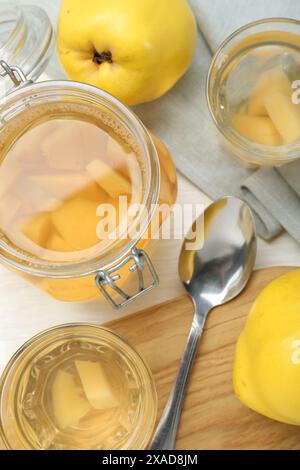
(212, 418)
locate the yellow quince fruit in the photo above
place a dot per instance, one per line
(134, 49)
(266, 375)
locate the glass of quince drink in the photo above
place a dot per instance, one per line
(77, 387)
(81, 180)
(253, 92)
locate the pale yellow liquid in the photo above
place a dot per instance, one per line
(50, 199)
(97, 429)
(255, 73)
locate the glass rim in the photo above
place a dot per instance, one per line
(94, 329)
(66, 270)
(258, 151)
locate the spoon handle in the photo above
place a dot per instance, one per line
(165, 435)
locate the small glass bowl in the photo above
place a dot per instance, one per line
(282, 32)
(25, 399)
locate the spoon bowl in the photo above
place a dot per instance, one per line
(218, 255)
(215, 263)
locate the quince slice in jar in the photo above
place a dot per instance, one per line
(68, 401)
(64, 186)
(285, 116)
(269, 82)
(37, 229)
(64, 149)
(111, 181)
(96, 386)
(76, 222)
(60, 185)
(259, 129)
(39, 198)
(93, 192)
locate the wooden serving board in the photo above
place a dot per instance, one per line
(212, 418)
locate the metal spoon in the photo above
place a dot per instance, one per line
(215, 263)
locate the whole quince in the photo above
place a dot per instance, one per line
(134, 49)
(267, 359)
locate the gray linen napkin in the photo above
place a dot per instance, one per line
(182, 120)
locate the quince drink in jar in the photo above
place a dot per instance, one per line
(252, 92)
(77, 387)
(78, 171)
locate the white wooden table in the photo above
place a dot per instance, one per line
(26, 311)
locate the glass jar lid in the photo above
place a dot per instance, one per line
(26, 41)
